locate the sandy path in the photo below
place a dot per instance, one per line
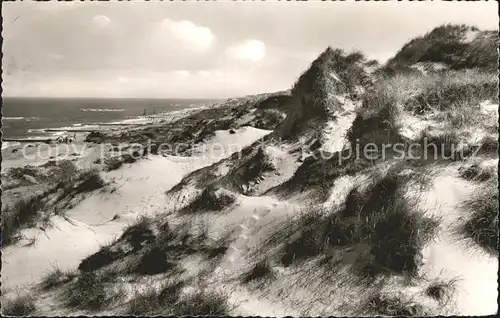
(447, 258)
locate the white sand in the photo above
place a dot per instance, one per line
(447, 257)
(140, 189)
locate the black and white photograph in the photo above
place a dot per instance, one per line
(249, 158)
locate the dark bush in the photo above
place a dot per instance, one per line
(154, 261)
(482, 217)
(100, 259)
(139, 233)
(261, 270)
(89, 181)
(210, 200)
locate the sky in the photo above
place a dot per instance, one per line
(201, 49)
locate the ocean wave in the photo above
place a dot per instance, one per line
(101, 110)
(20, 118)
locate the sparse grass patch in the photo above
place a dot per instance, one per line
(393, 305)
(56, 278)
(489, 144)
(482, 217)
(442, 145)
(153, 302)
(145, 303)
(20, 306)
(88, 292)
(203, 303)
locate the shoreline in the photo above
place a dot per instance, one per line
(126, 123)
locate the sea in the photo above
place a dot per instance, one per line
(29, 118)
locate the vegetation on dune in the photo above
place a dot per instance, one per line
(260, 271)
(393, 305)
(441, 290)
(453, 90)
(56, 278)
(154, 260)
(27, 211)
(19, 306)
(90, 292)
(154, 301)
(105, 256)
(477, 173)
(317, 79)
(383, 217)
(457, 46)
(481, 221)
(88, 181)
(139, 233)
(203, 303)
(320, 174)
(210, 199)
(23, 213)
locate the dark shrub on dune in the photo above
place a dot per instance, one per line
(261, 270)
(154, 261)
(482, 220)
(89, 181)
(210, 200)
(384, 217)
(100, 259)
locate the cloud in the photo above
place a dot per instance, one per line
(182, 73)
(253, 50)
(195, 37)
(100, 22)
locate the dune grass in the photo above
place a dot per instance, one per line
(88, 181)
(139, 233)
(91, 291)
(23, 213)
(56, 278)
(203, 303)
(105, 256)
(477, 173)
(154, 301)
(19, 306)
(481, 221)
(393, 305)
(384, 217)
(211, 199)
